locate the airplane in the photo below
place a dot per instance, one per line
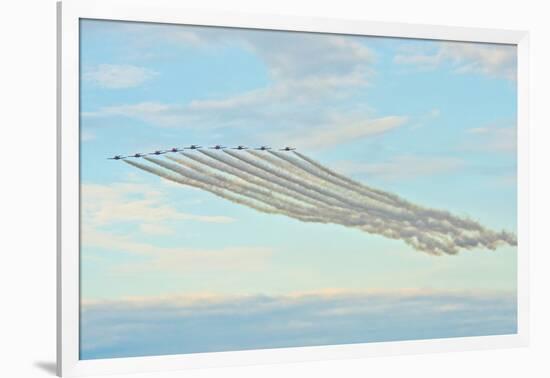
(157, 152)
(137, 155)
(217, 147)
(174, 149)
(240, 148)
(117, 157)
(192, 147)
(263, 148)
(287, 149)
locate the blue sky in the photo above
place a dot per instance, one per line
(431, 121)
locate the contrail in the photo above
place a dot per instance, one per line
(347, 202)
(200, 185)
(323, 175)
(235, 163)
(374, 226)
(329, 214)
(248, 177)
(440, 218)
(294, 210)
(419, 219)
(283, 161)
(304, 189)
(442, 247)
(345, 179)
(350, 201)
(438, 214)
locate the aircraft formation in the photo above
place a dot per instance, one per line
(195, 147)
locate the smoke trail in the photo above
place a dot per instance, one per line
(200, 185)
(324, 214)
(345, 179)
(285, 162)
(438, 220)
(321, 174)
(305, 190)
(423, 218)
(344, 219)
(437, 214)
(248, 177)
(293, 210)
(331, 215)
(446, 224)
(346, 201)
(281, 162)
(273, 179)
(351, 202)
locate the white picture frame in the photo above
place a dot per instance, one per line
(165, 11)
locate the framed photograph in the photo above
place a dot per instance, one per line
(237, 189)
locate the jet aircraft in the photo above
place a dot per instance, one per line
(174, 149)
(137, 155)
(157, 152)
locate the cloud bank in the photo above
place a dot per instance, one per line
(211, 323)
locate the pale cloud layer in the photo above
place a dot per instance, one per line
(487, 59)
(146, 210)
(121, 202)
(212, 323)
(177, 260)
(114, 76)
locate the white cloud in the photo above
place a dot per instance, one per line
(115, 76)
(287, 55)
(337, 132)
(488, 59)
(103, 205)
(147, 211)
(492, 138)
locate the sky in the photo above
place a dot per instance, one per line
(166, 268)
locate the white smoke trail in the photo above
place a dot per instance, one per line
(292, 210)
(348, 201)
(345, 201)
(248, 177)
(414, 216)
(351, 218)
(373, 225)
(460, 230)
(196, 184)
(235, 163)
(307, 191)
(323, 175)
(436, 220)
(437, 214)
